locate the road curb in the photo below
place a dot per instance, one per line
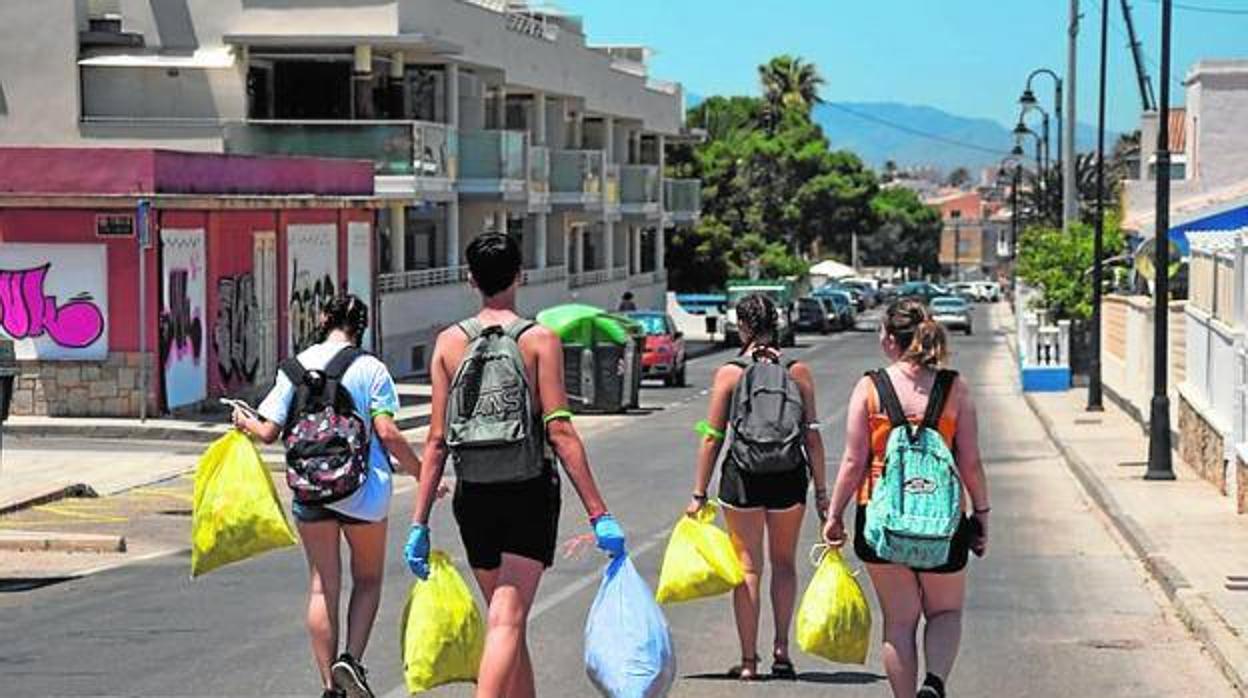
(197, 435)
(1224, 646)
(36, 541)
(55, 494)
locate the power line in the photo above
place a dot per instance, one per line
(1206, 9)
(914, 131)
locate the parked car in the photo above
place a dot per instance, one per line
(664, 353)
(954, 312)
(812, 316)
(921, 290)
(870, 297)
(840, 309)
(989, 291)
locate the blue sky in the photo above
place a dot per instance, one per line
(969, 57)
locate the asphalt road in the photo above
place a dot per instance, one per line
(1057, 608)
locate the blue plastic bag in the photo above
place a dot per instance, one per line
(628, 647)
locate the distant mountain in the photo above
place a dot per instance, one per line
(916, 135)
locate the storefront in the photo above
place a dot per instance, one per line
(240, 255)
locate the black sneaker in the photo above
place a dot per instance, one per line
(350, 677)
(332, 693)
(933, 687)
(928, 692)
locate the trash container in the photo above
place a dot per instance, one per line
(601, 356)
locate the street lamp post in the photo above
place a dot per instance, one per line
(1021, 131)
(1159, 464)
(1095, 398)
(1029, 101)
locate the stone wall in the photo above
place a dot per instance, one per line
(1201, 446)
(108, 388)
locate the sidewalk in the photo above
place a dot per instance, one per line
(1187, 534)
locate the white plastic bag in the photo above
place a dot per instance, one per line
(628, 647)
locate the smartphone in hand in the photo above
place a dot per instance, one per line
(240, 405)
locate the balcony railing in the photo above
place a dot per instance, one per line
(576, 175)
(639, 186)
(492, 155)
(682, 197)
(611, 186)
(544, 276)
(423, 278)
(404, 148)
(589, 278)
(619, 273)
(539, 172)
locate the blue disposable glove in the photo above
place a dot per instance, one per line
(609, 535)
(417, 550)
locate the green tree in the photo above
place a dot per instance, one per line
(789, 83)
(1059, 264)
(907, 232)
(959, 178)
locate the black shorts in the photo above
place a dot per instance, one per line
(315, 513)
(959, 550)
(773, 492)
(520, 518)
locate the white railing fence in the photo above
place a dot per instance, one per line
(422, 278)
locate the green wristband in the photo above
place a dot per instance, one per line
(707, 431)
(557, 414)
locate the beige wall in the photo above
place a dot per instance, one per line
(39, 89)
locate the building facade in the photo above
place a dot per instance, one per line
(974, 243)
(477, 115)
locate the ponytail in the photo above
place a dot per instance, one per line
(922, 339)
(344, 312)
(930, 346)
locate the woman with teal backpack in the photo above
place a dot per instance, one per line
(917, 414)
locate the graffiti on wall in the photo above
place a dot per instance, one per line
(360, 269)
(236, 333)
(311, 277)
(54, 300)
(182, 317)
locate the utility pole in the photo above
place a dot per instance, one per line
(1159, 465)
(1070, 194)
(1095, 399)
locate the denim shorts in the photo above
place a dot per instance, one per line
(315, 513)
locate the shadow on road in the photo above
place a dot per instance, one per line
(842, 678)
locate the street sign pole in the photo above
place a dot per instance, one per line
(1160, 466)
(143, 234)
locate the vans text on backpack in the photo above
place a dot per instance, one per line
(492, 430)
(916, 506)
(327, 442)
(767, 418)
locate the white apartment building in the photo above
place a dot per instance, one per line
(1209, 155)
(478, 115)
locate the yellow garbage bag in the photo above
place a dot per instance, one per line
(235, 513)
(700, 560)
(834, 620)
(442, 635)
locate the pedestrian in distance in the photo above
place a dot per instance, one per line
(327, 509)
(917, 397)
(500, 413)
(627, 302)
(765, 407)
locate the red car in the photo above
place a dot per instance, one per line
(664, 355)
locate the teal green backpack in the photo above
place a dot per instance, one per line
(917, 504)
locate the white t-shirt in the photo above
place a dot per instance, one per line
(372, 390)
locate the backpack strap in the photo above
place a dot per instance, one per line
(941, 389)
(889, 401)
(342, 361)
(517, 328)
(294, 371)
(472, 328)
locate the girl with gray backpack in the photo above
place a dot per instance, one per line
(761, 416)
(912, 459)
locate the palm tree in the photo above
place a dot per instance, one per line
(789, 83)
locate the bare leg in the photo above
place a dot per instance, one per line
(943, 597)
(897, 588)
(522, 676)
(368, 562)
(747, 528)
(321, 545)
(783, 529)
(505, 672)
